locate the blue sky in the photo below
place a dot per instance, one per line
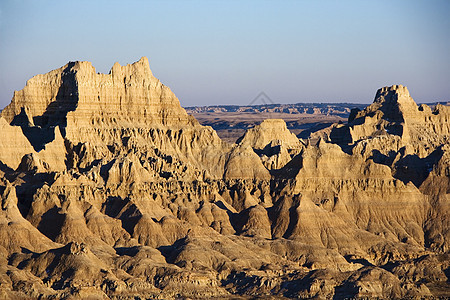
(226, 52)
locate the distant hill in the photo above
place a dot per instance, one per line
(231, 121)
(335, 109)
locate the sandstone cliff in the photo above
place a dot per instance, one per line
(110, 189)
(274, 143)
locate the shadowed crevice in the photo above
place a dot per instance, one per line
(41, 129)
(412, 168)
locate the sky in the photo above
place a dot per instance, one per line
(227, 52)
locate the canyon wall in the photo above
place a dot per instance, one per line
(110, 189)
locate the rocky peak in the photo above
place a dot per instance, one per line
(397, 100)
(273, 142)
(392, 103)
(394, 93)
(394, 113)
(128, 92)
(150, 204)
(270, 131)
(141, 68)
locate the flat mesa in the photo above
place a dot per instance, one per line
(110, 189)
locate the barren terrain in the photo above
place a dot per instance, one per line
(109, 189)
(232, 125)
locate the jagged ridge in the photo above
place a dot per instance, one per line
(122, 194)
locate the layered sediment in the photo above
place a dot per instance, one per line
(110, 189)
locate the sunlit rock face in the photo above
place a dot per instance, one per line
(394, 112)
(110, 189)
(127, 92)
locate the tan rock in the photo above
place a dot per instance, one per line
(269, 131)
(16, 232)
(394, 112)
(149, 203)
(13, 145)
(273, 142)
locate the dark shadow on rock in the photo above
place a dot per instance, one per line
(113, 205)
(362, 261)
(353, 113)
(311, 128)
(412, 168)
(22, 119)
(114, 208)
(383, 159)
(447, 274)
(129, 251)
(39, 137)
(242, 282)
(239, 220)
(290, 170)
(221, 205)
(25, 250)
(171, 252)
(284, 210)
(347, 290)
(105, 168)
(130, 217)
(9, 173)
(94, 163)
(66, 100)
(293, 220)
(51, 223)
(25, 191)
(341, 135)
(268, 150)
(63, 283)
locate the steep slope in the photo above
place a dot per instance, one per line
(13, 146)
(128, 107)
(109, 189)
(413, 141)
(394, 112)
(273, 142)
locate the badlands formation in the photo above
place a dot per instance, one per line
(109, 189)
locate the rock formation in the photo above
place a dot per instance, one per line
(110, 189)
(394, 112)
(274, 143)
